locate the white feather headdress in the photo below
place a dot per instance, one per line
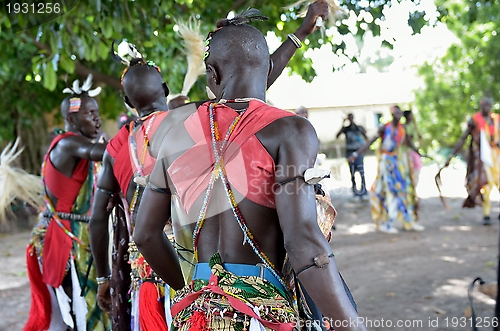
(78, 90)
(193, 42)
(125, 49)
(16, 183)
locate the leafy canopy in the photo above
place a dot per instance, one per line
(455, 83)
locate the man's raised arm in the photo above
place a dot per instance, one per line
(284, 53)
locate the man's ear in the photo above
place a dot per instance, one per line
(127, 101)
(212, 74)
(72, 118)
(165, 89)
(271, 66)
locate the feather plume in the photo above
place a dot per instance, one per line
(133, 52)
(16, 183)
(76, 87)
(193, 42)
(249, 15)
(116, 57)
(94, 92)
(77, 90)
(87, 84)
(335, 12)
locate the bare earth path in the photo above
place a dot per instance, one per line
(406, 281)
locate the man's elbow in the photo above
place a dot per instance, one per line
(95, 225)
(141, 237)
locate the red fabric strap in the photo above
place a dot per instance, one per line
(118, 149)
(250, 168)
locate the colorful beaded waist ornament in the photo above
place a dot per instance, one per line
(227, 301)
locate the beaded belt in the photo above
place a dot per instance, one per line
(68, 216)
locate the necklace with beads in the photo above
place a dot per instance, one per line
(139, 163)
(219, 171)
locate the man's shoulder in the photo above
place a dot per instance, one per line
(291, 126)
(67, 140)
(117, 141)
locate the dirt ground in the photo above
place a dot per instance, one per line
(404, 281)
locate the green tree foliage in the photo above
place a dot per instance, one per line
(455, 83)
(42, 51)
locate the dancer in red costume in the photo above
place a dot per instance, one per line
(59, 261)
(238, 172)
(136, 300)
(118, 171)
(483, 162)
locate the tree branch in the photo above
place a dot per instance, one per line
(83, 72)
(237, 4)
(80, 69)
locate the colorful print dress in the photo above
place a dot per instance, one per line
(392, 195)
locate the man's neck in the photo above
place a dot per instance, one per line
(486, 114)
(149, 109)
(70, 128)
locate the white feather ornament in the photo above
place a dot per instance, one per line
(87, 84)
(95, 92)
(76, 87)
(16, 183)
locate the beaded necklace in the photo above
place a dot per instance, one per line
(133, 153)
(53, 212)
(219, 171)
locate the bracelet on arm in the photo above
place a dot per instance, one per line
(320, 261)
(102, 280)
(355, 154)
(296, 41)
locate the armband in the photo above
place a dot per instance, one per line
(320, 261)
(311, 176)
(315, 175)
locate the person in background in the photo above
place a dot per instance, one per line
(393, 195)
(413, 133)
(483, 164)
(62, 277)
(355, 136)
